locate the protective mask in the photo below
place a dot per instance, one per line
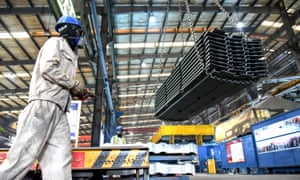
(80, 42)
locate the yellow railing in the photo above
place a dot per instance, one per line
(183, 130)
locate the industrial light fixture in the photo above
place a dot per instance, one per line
(66, 7)
(272, 24)
(13, 75)
(152, 19)
(144, 64)
(17, 35)
(240, 25)
(296, 27)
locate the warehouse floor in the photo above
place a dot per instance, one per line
(244, 177)
(220, 177)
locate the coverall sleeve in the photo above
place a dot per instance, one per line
(51, 68)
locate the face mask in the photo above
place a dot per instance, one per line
(79, 41)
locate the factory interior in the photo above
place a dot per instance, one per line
(203, 89)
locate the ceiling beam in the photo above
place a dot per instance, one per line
(284, 47)
(32, 61)
(87, 59)
(141, 129)
(141, 56)
(34, 10)
(124, 84)
(19, 108)
(177, 30)
(25, 10)
(147, 56)
(133, 9)
(13, 91)
(17, 62)
(194, 8)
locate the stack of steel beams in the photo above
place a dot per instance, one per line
(161, 97)
(173, 159)
(254, 53)
(217, 66)
(214, 52)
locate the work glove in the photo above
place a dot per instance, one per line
(81, 93)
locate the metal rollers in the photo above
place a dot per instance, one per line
(216, 67)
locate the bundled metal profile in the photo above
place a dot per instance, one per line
(217, 66)
(171, 169)
(173, 159)
(190, 148)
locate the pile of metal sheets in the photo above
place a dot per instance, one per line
(253, 54)
(171, 169)
(217, 66)
(173, 159)
(214, 52)
(173, 148)
(161, 97)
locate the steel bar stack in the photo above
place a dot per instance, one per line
(217, 66)
(171, 160)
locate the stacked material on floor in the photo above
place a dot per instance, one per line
(173, 148)
(124, 172)
(171, 169)
(216, 67)
(172, 159)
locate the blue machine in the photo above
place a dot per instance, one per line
(277, 141)
(239, 154)
(206, 152)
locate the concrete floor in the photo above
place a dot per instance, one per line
(244, 177)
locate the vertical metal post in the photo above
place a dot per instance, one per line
(198, 139)
(96, 125)
(102, 60)
(171, 139)
(288, 22)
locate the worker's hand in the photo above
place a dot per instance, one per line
(77, 91)
(87, 94)
(81, 93)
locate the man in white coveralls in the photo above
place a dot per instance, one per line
(43, 132)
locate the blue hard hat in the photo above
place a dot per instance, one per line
(67, 20)
(119, 128)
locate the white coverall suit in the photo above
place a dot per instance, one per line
(43, 132)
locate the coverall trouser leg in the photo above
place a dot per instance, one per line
(38, 123)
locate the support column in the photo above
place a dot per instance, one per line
(288, 22)
(199, 139)
(171, 139)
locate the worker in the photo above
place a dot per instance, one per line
(43, 132)
(118, 138)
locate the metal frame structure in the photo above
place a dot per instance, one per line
(128, 41)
